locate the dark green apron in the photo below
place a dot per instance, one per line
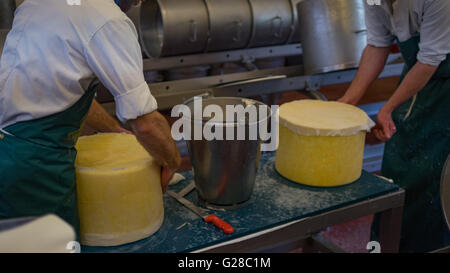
(415, 155)
(37, 173)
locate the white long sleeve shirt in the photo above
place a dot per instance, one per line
(406, 18)
(54, 50)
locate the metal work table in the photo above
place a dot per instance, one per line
(279, 216)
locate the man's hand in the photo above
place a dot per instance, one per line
(122, 130)
(371, 139)
(385, 127)
(348, 100)
(166, 176)
(413, 82)
(153, 132)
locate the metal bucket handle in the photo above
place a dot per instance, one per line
(205, 95)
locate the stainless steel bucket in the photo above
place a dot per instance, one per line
(333, 34)
(225, 170)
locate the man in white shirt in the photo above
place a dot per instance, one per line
(53, 51)
(416, 119)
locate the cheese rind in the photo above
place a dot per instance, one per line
(321, 143)
(323, 161)
(119, 191)
(324, 118)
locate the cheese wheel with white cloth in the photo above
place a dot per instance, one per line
(321, 143)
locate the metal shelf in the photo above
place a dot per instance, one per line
(241, 55)
(172, 93)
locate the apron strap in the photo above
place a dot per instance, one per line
(6, 133)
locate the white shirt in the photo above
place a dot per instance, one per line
(54, 50)
(407, 18)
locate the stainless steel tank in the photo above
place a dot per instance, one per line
(230, 24)
(225, 170)
(175, 27)
(172, 27)
(272, 22)
(7, 8)
(295, 32)
(333, 34)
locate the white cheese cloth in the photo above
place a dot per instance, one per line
(324, 118)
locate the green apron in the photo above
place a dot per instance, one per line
(415, 155)
(37, 173)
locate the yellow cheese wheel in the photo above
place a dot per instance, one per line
(321, 143)
(119, 190)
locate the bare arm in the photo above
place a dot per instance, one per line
(372, 63)
(153, 132)
(413, 82)
(101, 121)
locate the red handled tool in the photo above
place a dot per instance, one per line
(209, 218)
(227, 228)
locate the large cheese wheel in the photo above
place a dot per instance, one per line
(119, 190)
(321, 143)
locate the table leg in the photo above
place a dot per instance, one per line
(390, 229)
(317, 243)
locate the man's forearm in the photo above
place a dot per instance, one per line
(153, 132)
(100, 120)
(413, 82)
(372, 63)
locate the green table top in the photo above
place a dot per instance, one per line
(275, 201)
